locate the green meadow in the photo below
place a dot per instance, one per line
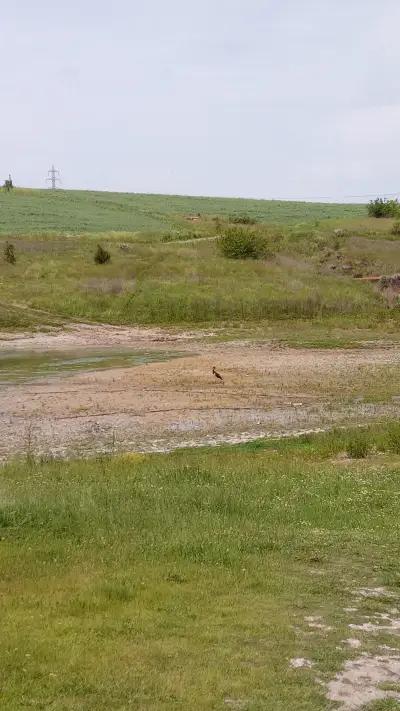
(167, 269)
(186, 580)
(25, 210)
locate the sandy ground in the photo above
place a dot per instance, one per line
(268, 391)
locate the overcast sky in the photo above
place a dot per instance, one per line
(253, 98)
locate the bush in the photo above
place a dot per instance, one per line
(102, 256)
(380, 207)
(242, 220)
(396, 228)
(237, 243)
(358, 446)
(9, 253)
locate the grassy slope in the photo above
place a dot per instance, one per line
(154, 282)
(82, 211)
(177, 283)
(183, 581)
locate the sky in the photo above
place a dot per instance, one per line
(285, 99)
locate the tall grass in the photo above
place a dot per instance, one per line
(200, 505)
(177, 581)
(173, 283)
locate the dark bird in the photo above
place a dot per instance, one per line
(217, 375)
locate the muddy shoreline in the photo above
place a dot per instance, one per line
(269, 391)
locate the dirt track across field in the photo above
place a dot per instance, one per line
(268, 391)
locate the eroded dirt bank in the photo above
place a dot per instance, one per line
(268, 390)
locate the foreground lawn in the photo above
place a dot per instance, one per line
(185, 580)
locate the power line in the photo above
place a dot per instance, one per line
(372, 195)
(336, 198)
(54, 177)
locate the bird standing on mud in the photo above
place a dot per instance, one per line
(217, 375)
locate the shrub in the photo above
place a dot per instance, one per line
(239, 243)
(242, 220)
(380, 207)
(358, 446)
(9, 253)
(396, 228)
(102, 256)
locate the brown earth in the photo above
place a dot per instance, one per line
(268, 391)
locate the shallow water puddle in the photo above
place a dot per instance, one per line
(17, 367)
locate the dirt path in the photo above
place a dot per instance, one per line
(155, 407)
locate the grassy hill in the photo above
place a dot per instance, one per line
(177, 283)
(26, 210)
(162, 273)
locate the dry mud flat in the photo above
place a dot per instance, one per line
(87, 335)
(159, 406)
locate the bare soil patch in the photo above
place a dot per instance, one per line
(268, 391)
(358, 684)
(95, 335)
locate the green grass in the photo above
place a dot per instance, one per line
(12, 318)
(26, 210)
(183, 581)
(333, 332)
(156, 277)
(189, 283)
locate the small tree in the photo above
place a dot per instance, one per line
(8, 184)
(9, 253)
(380, 207)
(102, 256)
